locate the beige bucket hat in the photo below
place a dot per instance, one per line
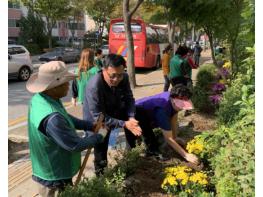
(50, 75)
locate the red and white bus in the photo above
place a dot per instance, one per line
(149, 42)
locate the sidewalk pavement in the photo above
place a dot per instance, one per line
(20, 183)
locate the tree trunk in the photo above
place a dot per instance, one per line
(130, 54)
(72, 30)
(127, 16)
(101, 33)
(49, 34)
(171, 31)
(233, 57)
(50, 38)
(193, 34)
(210, 38)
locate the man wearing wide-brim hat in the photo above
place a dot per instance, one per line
(54, 144)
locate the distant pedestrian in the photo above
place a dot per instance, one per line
(180, 69)
(86, 69)
(98, 58)
(53, 141)
(197, 53)
(165, 66)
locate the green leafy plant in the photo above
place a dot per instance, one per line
(245, 81)
(111, 184)
(231, 151)
(95, 187)
(206, 75)
(127, 162)
(202, 90)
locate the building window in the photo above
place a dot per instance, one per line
(81, 26)
(55, 26)
(13, 23)
(14, 4)
(76, 26)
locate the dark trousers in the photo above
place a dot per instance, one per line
(100, 150)
(196, 58)
(179, 80)
(166, 83)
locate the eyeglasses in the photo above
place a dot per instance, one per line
(118, 76)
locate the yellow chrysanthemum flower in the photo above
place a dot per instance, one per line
(171, 180)
(227, 65)
(195, 146)
(189, 191)
(223, 81)
(199, 177)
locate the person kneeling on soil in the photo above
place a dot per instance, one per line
(162, 111)
(54, 144)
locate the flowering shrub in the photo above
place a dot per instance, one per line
(182, 179)
(215, 99)
(218, 87)
(206, 76)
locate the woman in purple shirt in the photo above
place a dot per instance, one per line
(161, 110)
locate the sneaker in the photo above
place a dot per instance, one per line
(157, 155)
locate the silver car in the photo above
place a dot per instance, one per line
(65, 54)
(19, 62)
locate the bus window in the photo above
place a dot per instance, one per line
(152, 36)
(162, 35)
(119, 28)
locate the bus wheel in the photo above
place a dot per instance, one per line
(158, 63)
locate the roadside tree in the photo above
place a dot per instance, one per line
(127, 16)
(32, 33)
(100, 11)
(77, 9)
(51, 10)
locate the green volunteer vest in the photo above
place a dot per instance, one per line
(175, 70)
(83, 81)
(175, 67)
(49, 161)
(98, 63)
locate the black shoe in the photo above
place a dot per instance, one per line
(157, 155)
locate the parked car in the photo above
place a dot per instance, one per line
(19, 62)
(105, 50)
(65, 54)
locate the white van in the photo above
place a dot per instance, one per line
(19, 62)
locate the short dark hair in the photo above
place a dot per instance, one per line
(182, 50)
(114, 60)
(180, 90)
(98, 52)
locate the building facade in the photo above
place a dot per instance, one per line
(62, 31)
